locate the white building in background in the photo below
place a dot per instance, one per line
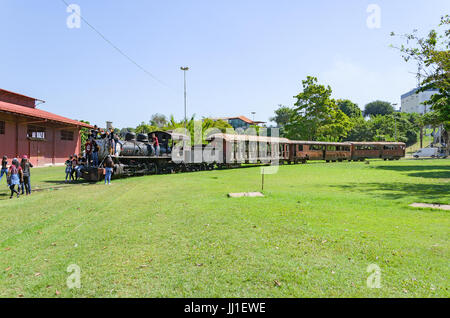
(412, 102)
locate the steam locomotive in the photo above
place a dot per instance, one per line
(135, 155)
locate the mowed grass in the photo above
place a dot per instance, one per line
(314, 233)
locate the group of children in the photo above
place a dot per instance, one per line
(75, 163)
(18, 174)
(73, 167)
(108, 134)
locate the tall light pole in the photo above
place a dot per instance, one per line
(395, 121)
(253, 113)
(184, 69)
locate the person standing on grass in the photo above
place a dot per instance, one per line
(109, 166)
(4, 169)
(15, 176)
(95, 149)
(26, 165)
(74, 170)
(69, 168)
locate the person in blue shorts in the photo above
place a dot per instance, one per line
(109, 166)
(69, 169)
(15, 176)
(4, 169)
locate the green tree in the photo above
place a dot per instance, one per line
(393, 127)
(361, 131)
(144, 128)
(316, 115)
(158, 120)
(206, 123)
(378, 107)
(124, 131)
(219, 124)
(432, 55)
(84, 134)
(349, 108)
(282, 115)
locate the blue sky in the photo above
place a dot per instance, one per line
(247, 55)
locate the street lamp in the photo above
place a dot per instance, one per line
(253, 113)
(395, 121)
(184, 69)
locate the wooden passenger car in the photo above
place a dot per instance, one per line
(366, 150)
(237, 149)
(302, 151)
(393, 150)
(382, 150)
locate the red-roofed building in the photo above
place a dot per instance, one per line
(241, 122)
(46, 138)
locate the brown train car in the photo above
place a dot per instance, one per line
(393, 150)
(238, 148)
(302, 151)
(382, 150)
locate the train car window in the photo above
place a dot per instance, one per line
(331, 148)
(299, 147)
(316, 147)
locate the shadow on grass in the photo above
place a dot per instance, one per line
(413, 168)
(54, 186)
(431, 193)
(82, 181)
(433, 172)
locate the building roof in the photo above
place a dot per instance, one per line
(368, 143)
(245, 119)
(20, 95)
(326, 143)
(413, 91)
(38, 113)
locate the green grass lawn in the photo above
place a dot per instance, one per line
(313, 234)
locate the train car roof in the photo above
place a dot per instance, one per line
(303, 142)
(232, 137)
(376, 143)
